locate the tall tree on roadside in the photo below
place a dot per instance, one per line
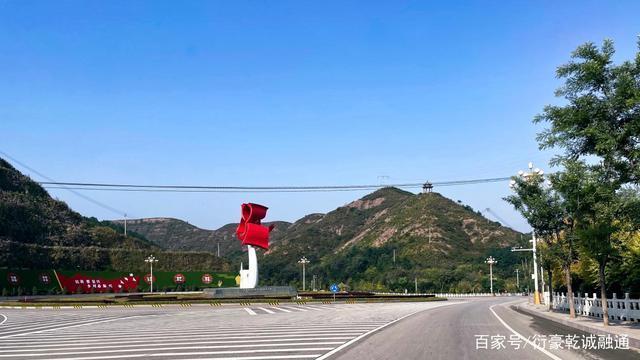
(599, 122)
(543, 210)
(602, 115)
(570, 185)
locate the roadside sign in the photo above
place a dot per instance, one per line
(334, 289)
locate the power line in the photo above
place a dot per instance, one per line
(93, 201)
(217, 188)
(74, 187)
(208, 190)
(498, 217)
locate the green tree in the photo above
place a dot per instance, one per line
(543, 209)
(602, 114)
(604, 215)
(567, 185)
(600, 122)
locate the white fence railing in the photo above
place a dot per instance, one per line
(448, 295)
(619, 309)
(456, 295)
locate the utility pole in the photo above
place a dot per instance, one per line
(415, 281)
(125, 224)
(394, 256)
(518, 279)
(304, 261)
(490, 260)
(513, 184)
(315, 285)
(542, 280)
(218, 249)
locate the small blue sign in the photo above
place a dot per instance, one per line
(334, 288)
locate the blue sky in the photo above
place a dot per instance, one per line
(285, 93)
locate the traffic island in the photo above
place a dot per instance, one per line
(584, 323)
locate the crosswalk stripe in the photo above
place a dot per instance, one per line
(45, 325)
(231, 332)
(294, 308)
(180, 354)
(281, 309)
(160, 348)
(120, 345)
(66, 326)
(251, 312)
(267, 310)
(64, 337)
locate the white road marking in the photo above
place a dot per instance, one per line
(195, 347)
(281, 309)
(49, 324)
(127, 356)
(543, 350)
(251, 312)
(263, 357)
(5, 318)
(69, 326)
(119, 345)
(294, 308)
(72, 337)
(267, 310)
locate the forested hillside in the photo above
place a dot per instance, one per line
(37, 231)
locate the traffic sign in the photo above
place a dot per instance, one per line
(334, 288)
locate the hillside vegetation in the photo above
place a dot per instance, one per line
(37, 231)
(438, 242)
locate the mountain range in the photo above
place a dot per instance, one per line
(388, 240)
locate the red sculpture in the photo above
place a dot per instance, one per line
(250, 231)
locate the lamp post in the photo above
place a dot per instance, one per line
(512, 184)
(490, 260)
(150, 260)
(304, 261)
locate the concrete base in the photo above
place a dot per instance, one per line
(256, 293)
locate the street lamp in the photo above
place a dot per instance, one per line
(490, 260)
(513, 184)
(151, 259)
(304, 261)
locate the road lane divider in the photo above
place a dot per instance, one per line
(522, 337)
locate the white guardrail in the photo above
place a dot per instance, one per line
(619, 309)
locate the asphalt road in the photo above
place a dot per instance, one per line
(431, 330)
(456, 332)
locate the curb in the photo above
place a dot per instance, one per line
(633, 342)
